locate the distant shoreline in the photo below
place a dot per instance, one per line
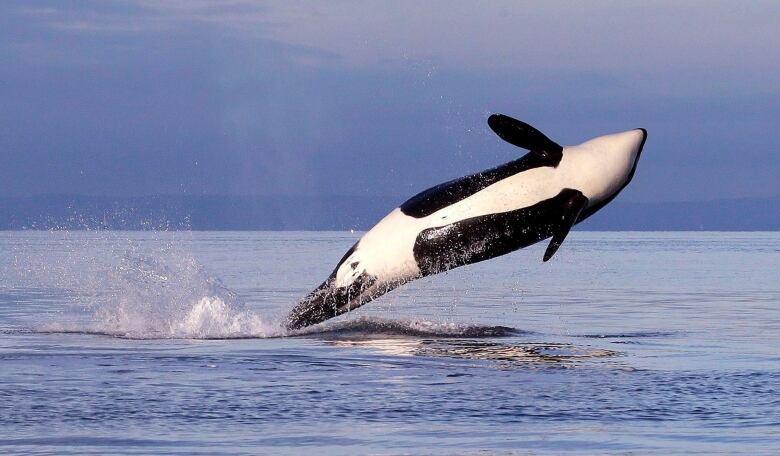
(331, 213)
(249, 230)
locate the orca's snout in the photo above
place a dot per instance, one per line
(643, 140)
(640, 137)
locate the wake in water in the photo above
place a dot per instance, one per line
(380, 327)
(223, 323)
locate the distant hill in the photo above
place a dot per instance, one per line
(750, 214)
(342, 213)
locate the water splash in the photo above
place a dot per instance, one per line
(164, 293)
(154, 288)
(151, 298)
(149, 286)
(177, 298)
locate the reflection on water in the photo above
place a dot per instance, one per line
(508, 354)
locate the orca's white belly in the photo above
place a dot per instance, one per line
(515, 192)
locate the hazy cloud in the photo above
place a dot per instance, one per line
(381, 98)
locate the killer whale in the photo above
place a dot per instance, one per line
(480, 216)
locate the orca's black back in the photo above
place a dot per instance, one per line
(435, 198)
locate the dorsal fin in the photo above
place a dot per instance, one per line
(523, 135)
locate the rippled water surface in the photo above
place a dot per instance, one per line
(170, 343)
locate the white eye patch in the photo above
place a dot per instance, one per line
(349, 270)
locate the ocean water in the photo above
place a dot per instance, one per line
(171, 343)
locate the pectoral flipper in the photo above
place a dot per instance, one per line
(572, 208)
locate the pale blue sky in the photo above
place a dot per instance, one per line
(378, 98)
